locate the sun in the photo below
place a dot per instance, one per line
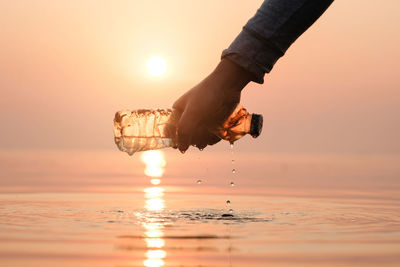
(156, 66)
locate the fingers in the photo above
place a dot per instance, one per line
(203, 137)
(186, 128)
(185, 124)
(213, 139)
(191, 133)
(200, 138)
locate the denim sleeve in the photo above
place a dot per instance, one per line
(266, 37)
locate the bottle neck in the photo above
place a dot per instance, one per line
(236, 126)
(247, 123)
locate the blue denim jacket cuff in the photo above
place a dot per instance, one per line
(252, 54)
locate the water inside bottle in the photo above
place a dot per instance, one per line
(144, 129)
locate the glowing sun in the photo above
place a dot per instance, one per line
(156, 66)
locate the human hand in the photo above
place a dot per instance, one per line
(206, 106)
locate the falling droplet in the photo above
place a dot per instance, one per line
(228, 202)
(232, 184)
(199, 182)
(233, 161)
(231, 145)
(230, 210)
(233, 170)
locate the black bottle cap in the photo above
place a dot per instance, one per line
(256, 125)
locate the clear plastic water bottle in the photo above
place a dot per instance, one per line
(149, 129)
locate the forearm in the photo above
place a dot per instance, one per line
(266, 37)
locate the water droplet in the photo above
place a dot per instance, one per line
(230, 210)
(233, 170)
(231, 145)
(199, 182)
(233, 161)
(228, 202)
(201, 149)
(232, 184)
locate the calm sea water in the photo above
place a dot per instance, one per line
(99, 209)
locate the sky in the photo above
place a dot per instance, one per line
(68, 66)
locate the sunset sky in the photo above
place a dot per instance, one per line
(68, 66)
(319, 187)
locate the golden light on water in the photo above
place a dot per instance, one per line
(155, 163)
(154, 233)
(153, 263)
(154, 229)
(155, 258)
(152, 225)
(156, 66)
(154, 192)
(155, 242)
(154, 172)
(155, 181)
(156, 253)
(154, 202)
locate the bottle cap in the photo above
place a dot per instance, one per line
(256, 125)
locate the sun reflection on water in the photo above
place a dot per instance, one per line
(154, 242)
(155, 163)
(155, 255)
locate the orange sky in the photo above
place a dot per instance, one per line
(67, 66)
